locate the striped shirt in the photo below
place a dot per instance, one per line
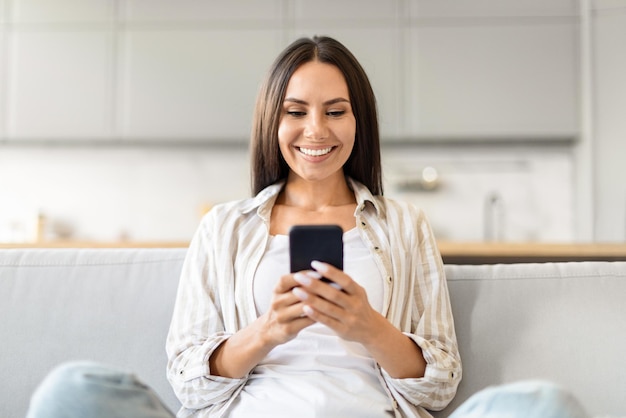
(215, 299)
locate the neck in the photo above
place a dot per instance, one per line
(316, 195)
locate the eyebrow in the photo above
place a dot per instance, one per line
(326, 103)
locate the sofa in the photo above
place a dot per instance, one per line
(562, 322)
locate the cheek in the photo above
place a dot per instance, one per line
(348, 134)
(285, 133)
(284, 139)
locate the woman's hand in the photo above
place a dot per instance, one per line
(341, 305)
(242, 351)
(285, 318)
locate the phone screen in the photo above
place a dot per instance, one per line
(315, 242)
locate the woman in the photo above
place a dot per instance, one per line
(248, 337)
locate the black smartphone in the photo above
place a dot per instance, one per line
(315, 242)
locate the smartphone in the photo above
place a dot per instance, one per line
(315, 242)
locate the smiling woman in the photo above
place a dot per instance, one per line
(249, 337)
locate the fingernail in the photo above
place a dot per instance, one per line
(313, 274)
(308, 311)
(319, 266)
(302, 279)
(300, 294)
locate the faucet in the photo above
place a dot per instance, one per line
(493, 217)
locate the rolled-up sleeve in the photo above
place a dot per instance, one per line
(197, 329)
(431, 323)
(437, 388)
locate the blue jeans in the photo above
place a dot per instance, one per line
(88, 390)
(528, 399)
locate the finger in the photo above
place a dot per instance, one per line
(309, 280)
(285, 284)
(286, 315)
(322, 318)
(283, 301)
(296, 314)
(337, 276)
(320, 303)
(286, 324)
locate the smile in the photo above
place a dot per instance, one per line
(315, 152)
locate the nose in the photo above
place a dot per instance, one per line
(316, 128)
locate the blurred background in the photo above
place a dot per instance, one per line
(126, 120)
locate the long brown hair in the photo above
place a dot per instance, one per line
(268, 165)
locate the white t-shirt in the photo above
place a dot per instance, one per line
(317, 373)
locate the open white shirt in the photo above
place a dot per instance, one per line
(317, 373)
(215, 299)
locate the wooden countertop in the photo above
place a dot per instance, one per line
(452, 252)
(528, 252)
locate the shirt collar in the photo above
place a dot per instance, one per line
(364, 197)
(265, 199)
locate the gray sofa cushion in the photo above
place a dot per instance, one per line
(111, 306)
(564, 322)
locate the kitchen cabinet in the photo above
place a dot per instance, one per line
(192, 84)
(348, 12)
(487, 69)
(491, 8)
(59, 84)
(62, 11)
(190, 70)
(58, 70)
(156, 70)
(234, 12)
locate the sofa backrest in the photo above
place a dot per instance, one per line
(108, 305)
(563, 322)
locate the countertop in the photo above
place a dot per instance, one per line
(451, 251)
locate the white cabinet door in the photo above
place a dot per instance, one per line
(62, 11)
(495, 79)
(344, 12)
(491, 8)
(215, 11)
(192, 84)
(59, 84)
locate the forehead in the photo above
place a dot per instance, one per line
(317, 78)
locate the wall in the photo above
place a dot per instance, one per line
(109, 193)
(127, 119)
(159, 193)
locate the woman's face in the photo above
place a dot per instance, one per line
(317, 127)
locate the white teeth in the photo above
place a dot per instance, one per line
(315, 152)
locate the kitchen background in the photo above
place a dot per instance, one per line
(128, 119)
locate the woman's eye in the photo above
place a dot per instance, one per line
(336, 113)
(296, 113)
